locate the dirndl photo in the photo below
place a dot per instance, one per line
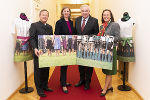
(125, 50)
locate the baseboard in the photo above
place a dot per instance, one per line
(19, 87)
(131, 87)
(135, 91)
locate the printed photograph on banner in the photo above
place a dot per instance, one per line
(125, 50)
(57, 50)
(23, 50)
(95, 51)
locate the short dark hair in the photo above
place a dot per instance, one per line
(111, 15)
(42, 11)
(62, 16)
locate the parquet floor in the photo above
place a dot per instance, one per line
(116, 95)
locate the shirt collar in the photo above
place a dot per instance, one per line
(42, 23)
(85, 18)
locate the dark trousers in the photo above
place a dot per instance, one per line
(41, 76)
(85, 73)
(63, 75)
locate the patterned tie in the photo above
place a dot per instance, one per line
(83, 25)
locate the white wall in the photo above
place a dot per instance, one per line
(139, 72)
(11, 74)
(139, 75)
(50, 5)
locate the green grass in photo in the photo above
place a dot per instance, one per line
(94, 63)
(21, 57)
(53, 60)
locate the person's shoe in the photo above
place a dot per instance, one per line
(110, 89)
(103, 94)
(68, 84)
(65, 91)
(48, 89)
(41, 94)
(79, 83)
(86, 87)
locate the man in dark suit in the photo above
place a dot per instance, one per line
(86, 25)
(41, 75)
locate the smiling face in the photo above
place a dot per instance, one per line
(66, 13)
(85, 11)
(44, 16)
(106, 16)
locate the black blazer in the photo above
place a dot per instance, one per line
(61, 27)
(36, 29)
(91, 27)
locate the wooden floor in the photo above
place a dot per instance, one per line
(116, 95)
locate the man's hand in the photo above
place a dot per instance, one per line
(40, 52)
(36, 51)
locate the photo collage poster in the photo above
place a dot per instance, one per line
(57, 50)
(95, 51)
(60, 50)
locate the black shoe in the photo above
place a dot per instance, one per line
(79, 83)
(65, 91)
(103, 94)
(109, 89)
(41, 94)
(68, 84)
(48, 89)
(86, 87)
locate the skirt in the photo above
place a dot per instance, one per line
(64, 43)
(57, 43)
(70, 43)
(17, 46)
(49, 45)
(114, 67)
(25, 47)
(125, 50)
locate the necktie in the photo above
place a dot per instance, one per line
(83, 25)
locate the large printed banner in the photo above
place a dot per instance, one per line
(60, 50)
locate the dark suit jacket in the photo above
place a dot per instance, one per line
(36, 29)
(61, 27)
(91, 27)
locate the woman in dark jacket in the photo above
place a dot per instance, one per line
(64, 26)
